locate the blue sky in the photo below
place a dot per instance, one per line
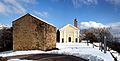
(62, 12)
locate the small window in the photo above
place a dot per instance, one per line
(62, 40)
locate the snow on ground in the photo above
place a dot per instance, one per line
(18, 60)
(115, 53)
(10, 53)
(76, 49)
(88, 52)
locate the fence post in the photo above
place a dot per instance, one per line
(105, 47)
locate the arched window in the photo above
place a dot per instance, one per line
(69, 39)
(76, 40)
(62, 40)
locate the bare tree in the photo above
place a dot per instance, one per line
(104, 36)
(6, 39)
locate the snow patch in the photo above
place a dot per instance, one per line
(2, 26)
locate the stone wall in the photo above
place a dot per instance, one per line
(31, 33)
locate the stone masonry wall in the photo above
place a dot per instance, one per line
(30, 33)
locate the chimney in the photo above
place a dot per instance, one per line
(75, 22)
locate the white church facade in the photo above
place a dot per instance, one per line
(70, 33)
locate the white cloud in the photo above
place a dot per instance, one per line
(114, 2)
(115, 25)
(91, 24)
(115, 29)
(14, 6)
(54, 0)
(29, 1)
(2, 8)
(78, 3)
(42, 13)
